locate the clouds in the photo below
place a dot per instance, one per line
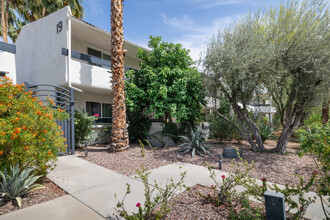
(194, 36)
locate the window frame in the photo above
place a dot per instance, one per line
(108, 53)
(100, 104)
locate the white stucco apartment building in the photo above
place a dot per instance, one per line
(62, 50)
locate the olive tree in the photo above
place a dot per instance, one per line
(233, 60)
(296, 60)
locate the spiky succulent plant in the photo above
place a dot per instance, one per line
(17, 183)
(194, 143)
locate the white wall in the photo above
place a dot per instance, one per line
(82, 98)
(7, 64)
(39, 56)
(89, 75)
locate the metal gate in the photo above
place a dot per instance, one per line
(63, 98)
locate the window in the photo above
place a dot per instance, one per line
(106, 110)
(93, 108)
(98, 53)
(106, 57)
(94, 53)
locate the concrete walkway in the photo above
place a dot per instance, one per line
(65, 207)
(95, 186)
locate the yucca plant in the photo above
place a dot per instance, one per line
(194, 143)
(17, 184)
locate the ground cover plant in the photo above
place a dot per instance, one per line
(29, 134)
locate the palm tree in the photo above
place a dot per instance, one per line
(119, 140)
(31, 10)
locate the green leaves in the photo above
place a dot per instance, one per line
(166, 84)
(194, 143)
(17, 184)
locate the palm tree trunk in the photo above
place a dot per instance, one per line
(119, 130)
(3, 23)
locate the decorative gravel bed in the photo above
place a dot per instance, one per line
(275, 167)
(190, 205)
(51, 191)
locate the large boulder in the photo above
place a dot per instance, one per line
(230, 152)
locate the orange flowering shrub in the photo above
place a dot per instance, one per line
(29, 135)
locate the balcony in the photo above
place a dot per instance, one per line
(88, 72)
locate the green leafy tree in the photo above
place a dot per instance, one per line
(167, 84)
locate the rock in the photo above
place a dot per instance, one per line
(230, 152)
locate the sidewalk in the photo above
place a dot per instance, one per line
(95, 186)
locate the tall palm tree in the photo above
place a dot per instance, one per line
(119, 140)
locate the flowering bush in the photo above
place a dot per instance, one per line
(29, 135)
(315, 141)
(156, 198)
(225, 191)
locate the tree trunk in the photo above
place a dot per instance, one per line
(325, 111)
(119, 129)
(3, 21)
(244, 116)
(291, 122)
(245, 134)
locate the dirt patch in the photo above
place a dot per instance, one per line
(51, 191)
(276, 168)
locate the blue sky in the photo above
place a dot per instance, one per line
(189, 22)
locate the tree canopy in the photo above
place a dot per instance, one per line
(284, 49)
(167, 84)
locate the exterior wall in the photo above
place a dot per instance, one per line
(7, 64)
(39, 56)
(89, 75)
(82, 98)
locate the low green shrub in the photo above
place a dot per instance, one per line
(105, 134)
(138, 126)
(17, 183)
(83, 126)
(157, 198)
(29, 135)
(194, 143)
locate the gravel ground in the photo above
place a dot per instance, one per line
(276, 168)
(190, 205)
(51, 191)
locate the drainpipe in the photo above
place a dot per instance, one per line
(69, 57)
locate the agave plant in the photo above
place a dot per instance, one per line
(17, 184)
(194, 143)
(266, 131)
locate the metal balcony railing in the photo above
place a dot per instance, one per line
(87, 58)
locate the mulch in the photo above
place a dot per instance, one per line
(277, 168)
(52, 191)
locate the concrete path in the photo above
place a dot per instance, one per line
(66, 208)
(95, 187)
